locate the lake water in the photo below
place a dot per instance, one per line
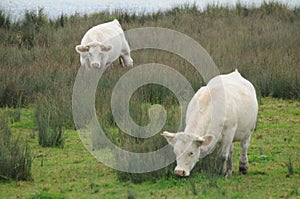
(54, 8)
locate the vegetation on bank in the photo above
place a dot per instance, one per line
(38, 56)
(38, 66)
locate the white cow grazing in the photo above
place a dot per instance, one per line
(222, 112)
(103, 44)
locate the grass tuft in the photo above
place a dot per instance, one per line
(15, 154)
(50, 123)
(290, 167)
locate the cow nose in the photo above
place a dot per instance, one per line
(96, 65)
(180, 172)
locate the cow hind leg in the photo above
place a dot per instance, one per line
(227, 150)
(229, 161)
(243, 167)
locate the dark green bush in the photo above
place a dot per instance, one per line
(11, 95)
(4, 20)
(31, 27)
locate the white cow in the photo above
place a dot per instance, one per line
(222, 112)
(103, 44)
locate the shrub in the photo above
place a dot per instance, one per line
(4, 20)
(11, 94)
(15, 155)
(32, 25)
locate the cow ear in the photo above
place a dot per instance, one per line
(82, 49)
(105, 48)
(208, 139)
(207, 145)
(204, 141)
(169, 137)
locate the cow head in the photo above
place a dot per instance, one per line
(188, 149)
(93, 54)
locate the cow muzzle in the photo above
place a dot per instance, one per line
(181, 173)
(96, 65)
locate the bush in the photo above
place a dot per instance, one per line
(15, 155)
(4, 20)
(11, 95)
(32, 25)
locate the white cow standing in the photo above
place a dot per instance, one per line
(222, 112)
(103, 44)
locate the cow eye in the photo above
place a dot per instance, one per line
(191, 153)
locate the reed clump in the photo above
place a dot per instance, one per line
(15, 154)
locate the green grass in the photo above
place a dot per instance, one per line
(38, 60)
(72, 172)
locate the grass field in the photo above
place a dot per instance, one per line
(38, 66)
(72, 172)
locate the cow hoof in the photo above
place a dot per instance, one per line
(129, 66)
(243, 170)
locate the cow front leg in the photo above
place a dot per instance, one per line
(126, 58)
(227, 151)
(127, 61)
(243, 167)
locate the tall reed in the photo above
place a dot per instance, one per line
(15, 154)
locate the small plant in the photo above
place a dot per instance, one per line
(14, 115)
(15, 155)
(47, 195)
(193, 186)
(290, 167)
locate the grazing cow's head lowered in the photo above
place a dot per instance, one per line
(188, 149)
(94, 54)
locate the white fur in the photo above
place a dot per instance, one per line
(103, 44)
(224, 111)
